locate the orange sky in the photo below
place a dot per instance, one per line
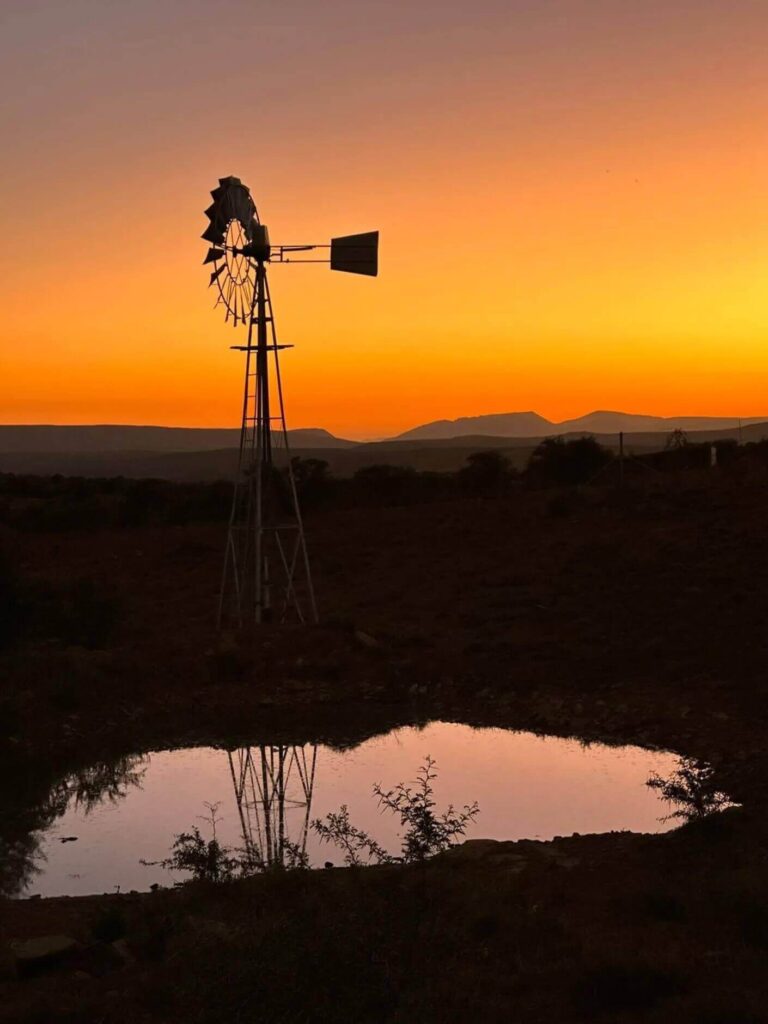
(570, 194)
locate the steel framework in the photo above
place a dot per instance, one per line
(266, 573)
(272, 783)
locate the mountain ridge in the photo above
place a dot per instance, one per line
(600, 421)
(110, 437)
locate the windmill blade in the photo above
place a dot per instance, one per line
(216, 273)
(213, 234)
(213, 255)
(215, 215)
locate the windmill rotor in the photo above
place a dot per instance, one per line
(233, 219)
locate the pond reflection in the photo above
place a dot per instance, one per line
(273, 792)
(23, 853)
(94, 828)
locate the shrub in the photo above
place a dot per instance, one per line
(567, 462)
(693, 788)
(426, 832)
(484, 472)
(206, 859)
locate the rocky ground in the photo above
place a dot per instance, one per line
(630, 616)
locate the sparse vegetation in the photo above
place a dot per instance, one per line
(692, 789)
(486, 473)
(207, 860)
(567, 462)
(426, 832)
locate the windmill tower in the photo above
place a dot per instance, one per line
(273, 791)
(266, 575)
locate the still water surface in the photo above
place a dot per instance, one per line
(527, 786)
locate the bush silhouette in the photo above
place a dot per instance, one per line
(313, 480)
(425, 831)
(567, 462)
(484, 472)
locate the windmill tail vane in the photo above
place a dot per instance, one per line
(266, 575)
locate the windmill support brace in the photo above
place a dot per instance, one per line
(264, 577)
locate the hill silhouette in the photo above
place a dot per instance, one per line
(49, 438)
(532, 425)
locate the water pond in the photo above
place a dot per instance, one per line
(107, 820)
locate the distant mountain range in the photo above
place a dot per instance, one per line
(117, 438)
(194, 453)
(103, 438)
(531, 424)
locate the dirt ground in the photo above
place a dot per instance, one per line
(634, 615)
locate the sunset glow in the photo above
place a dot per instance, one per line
(570, 195)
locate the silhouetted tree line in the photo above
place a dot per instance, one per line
(58, 503)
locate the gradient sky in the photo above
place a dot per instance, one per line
(570, 194)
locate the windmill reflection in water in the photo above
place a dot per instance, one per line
(273, 790)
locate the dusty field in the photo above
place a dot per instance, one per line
(635, 616)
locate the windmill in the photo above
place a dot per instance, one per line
(266, 575)
(273, 792)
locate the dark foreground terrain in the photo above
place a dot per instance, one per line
(633, 614)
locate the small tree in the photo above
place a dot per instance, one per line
(484, 471)
(567, 462)
(426, 832)
(207, 860)
(693, 788)
(312, 479)
(339, 830)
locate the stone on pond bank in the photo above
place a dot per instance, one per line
(45, 950)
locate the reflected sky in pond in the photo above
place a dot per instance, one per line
(527, 786)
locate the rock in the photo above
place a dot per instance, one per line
(43, 947)
(46, 950)
(99, 959)
(365, 639)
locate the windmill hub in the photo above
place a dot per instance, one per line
(259, 249)
(266, 568)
